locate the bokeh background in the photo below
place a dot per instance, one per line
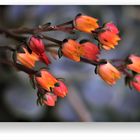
(89, 98)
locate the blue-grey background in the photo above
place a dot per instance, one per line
(89, 98)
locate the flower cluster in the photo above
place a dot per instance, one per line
(49, 87)
(108, 38)
(105, 36)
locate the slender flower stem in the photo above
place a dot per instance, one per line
(52, 39)
(52, 45)
(127, 73)
(95, 63)
(41, 30)
(117, 60)
(123, 69)
(66, 23)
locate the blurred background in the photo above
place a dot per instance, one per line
(89, 98)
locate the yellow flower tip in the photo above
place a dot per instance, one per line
(27, 59)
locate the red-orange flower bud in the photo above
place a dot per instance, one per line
(27, 59)
(36, 45)
(44, 58)
(46, 80)
(72, 50)
(135, 66)
(85, 23)
(91, 51)
(60, 90)
(50, 99)
(108, 73)
(111, 27)
(136, 82)
(108, 39)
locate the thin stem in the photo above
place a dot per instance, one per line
(95, 63)
(52, 46)
(117, 60)
(123, 69)
(52, 39)
(41, 30)
(66, 23)
(127, 73)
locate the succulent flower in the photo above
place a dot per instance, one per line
(85, 23)
(108, 73)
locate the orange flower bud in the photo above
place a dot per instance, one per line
(36, 45)
(27, 59)
(111, 27)
(108, 39)
(135, 66)
(46, 81)
(85, 23)
(91, 51)
(72, 50)
(109, 73)
(50, 99)
(60, 90)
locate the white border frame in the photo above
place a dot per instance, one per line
(70, 131)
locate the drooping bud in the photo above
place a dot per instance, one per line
(50, 99)
(72, 50)
(46, 80)
(111, 27)
(36, 45)
(91, 51)
(108, 73)
(135, 66)
(44, 58)
(108, 39)
(85, 23)
(60, 90)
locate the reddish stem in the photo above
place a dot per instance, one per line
(117, 60)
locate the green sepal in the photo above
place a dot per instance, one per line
(14, 56)
(96, 70)
(57, 84)
(32, 81)
(60, 53)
